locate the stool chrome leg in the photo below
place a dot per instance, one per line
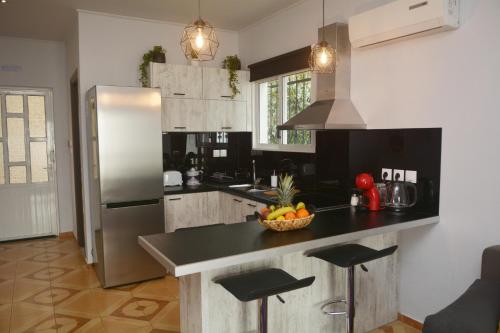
(262, 308)
(350, 300)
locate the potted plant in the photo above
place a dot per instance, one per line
(157, 54)
(232, 64)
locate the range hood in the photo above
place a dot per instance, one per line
(332, 107)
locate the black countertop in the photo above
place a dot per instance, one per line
(226, 245)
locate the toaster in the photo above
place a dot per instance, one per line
(172, 178)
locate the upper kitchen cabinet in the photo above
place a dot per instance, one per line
(216, 84)
(182, 114)
(226, 116)
(177, 81)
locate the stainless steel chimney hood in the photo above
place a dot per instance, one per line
(332, 108)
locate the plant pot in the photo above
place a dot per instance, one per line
(159, 58)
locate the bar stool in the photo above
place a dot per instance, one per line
(348, 256)
(260, 285)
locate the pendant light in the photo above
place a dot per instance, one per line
(198, 41)
(322, 58)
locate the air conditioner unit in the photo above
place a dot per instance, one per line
(403, 18)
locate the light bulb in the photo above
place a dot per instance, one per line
(199, 41)
(323, 57)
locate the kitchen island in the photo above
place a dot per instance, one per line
(200, 255)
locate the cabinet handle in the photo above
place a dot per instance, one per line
(237, 200)
(226, 96)
(174, 199)
(226, 127)
(252, 205)
(179, 94)
(180, 127)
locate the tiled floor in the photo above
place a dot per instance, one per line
(46, 286)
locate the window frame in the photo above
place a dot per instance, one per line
(256, 145)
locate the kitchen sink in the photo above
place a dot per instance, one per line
(249, 188)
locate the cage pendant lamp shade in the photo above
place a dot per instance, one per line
(322, 59)
(199, 41)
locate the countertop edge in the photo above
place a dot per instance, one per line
(181, 270)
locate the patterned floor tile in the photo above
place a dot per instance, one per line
(139, 308)
(25, 317)
(25, 267)
(92, 303)
(168, 318)
(120, 325)
(80, 278)
(8, 270)
(48, 273)
(5, 315)
(6, 291)
(70, 260)
(166, 289)
(47, 257)
(25, 288)
(19, 253)
(396, 327)
(51, 296)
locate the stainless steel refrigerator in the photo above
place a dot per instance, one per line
(126, 186)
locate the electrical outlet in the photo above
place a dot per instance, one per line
(411, 176)
(399, 175)
(387, 177)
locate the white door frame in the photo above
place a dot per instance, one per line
(50, 132)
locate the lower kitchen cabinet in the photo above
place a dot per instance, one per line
(185, 210)
(235, 209)
(198, 209)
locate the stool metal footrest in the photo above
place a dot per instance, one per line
(334, 313)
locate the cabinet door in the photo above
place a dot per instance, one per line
(227, 116)
(231, 208)
(216, 84)
(250, 207)
(177, 81)
(185, 210)
(180, 115)
(214, 213)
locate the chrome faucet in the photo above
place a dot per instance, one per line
(254, 177)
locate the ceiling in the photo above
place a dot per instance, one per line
(51, 19)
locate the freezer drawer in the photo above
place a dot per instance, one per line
(123, 260)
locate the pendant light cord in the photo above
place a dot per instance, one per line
(323, 29)
(199, 9)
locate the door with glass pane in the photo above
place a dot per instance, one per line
(28, 197)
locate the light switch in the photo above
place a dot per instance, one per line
(411, 176)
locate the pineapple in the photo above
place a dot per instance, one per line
(285, 191)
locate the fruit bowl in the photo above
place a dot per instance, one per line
(286, 225)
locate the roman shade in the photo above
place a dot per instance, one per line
(285, 63)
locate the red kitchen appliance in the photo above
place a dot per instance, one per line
(365, 182)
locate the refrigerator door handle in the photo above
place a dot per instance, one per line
(117, 205)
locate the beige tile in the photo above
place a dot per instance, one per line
(70, 260)
(26, 317)
(80, 278)
(166, 289)
(121, 325)
(5, 314)
(6, 291)
(25, 288)
(92, 303)
(49, 273)
(68, 246)
(93, 326)
(140, 309)
(168, 318)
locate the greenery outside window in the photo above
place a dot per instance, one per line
(277, 100)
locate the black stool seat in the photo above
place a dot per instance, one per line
(351, 254)
(268, 282)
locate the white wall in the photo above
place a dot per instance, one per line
(450, 80)
(111, 49)
(44, 66)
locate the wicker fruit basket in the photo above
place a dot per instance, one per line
(285, 225)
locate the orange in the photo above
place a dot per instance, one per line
(301, 213)
(290, 216)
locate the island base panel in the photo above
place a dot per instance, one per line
(207, 307)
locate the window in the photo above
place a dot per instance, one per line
(279, 99)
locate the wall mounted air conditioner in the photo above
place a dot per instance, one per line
(403, 18)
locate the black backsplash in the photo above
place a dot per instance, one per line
(340, 156)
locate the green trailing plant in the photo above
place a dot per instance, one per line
(232, 64)
(147, 58)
